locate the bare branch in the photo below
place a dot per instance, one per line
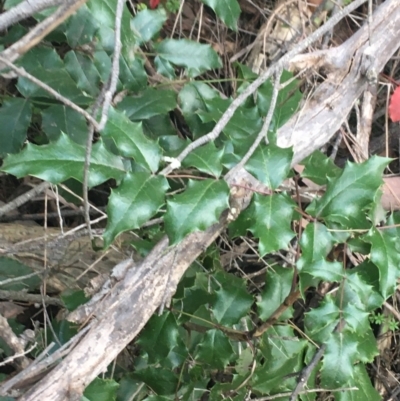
(24, 10)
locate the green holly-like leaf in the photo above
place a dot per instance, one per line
(278, 284)
(385, 254)
(338, 364)
(15, 117)
(320, 322)
(207, 159)
(64, 159)
(319, 168)
(80, 27)
(215, 349)
(160, 337)
(356, 319)
(101, 390)
(147, 23)
(283, 355)
(192, 100)
(136, 200)
(348, 196)
(57, 119)
(316, 242)
(288, 101)
(45, 64)
(232, 300)
(161, 381)
(195, 57)
(360, 380)
(270, 164)
(268, 218)
(227, 10)
(148, 104)
(130, 140)
(195, 209)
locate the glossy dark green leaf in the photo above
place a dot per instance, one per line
(232, 300)
(101, 390)
(164, 68)
(147, 23)
(207, 159)
(15, 117)
(338, 363)
(361, 380)
(268, 218)
(195, 209)
(64, 159)
(193, 98)
(227, 10)
(319, 168)
(45, 64)
(283, 355)
(160, 337)
(129, 138)
(270, 164)
(73, 298)
(136, 200)
(385, 254)
(316, 242)
(278, 284)
(57, 119)
(215, 350)
(347, 196)
(81, 27)
(150, 103)
(84, 72)
(321, 321)
(195, 57)
(161, 381)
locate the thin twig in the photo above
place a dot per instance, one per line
(22, 199)
(24, 10)
(264, 130)
(281, 63)
(22, 73)
(105, 97)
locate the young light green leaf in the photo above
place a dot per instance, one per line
(347, 197)
(150, 103)
(232, 300)
(278, 284)
(15, 117)
(339, 358)
(64, 159)
(214, 350)
(385, 254)
(227, 10)
(195, 57)
(130, 140)
(270, 164)
(57, 119)
(136, 200)
(147, 23)
(195, 209)
(207, 159)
